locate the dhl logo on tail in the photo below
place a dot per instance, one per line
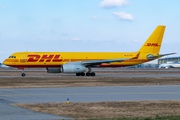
(152, 44)
(44, 58)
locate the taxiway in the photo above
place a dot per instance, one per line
(79, 94)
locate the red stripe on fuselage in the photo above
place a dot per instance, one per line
(36, 66)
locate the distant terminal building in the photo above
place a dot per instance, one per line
(144, 65)
(168, 59)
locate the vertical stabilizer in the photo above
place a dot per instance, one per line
(153, 43)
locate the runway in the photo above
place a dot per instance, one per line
(79, 94)
(115, 75)
(91, 94)
(103, 69)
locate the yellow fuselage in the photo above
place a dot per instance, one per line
(56, 59)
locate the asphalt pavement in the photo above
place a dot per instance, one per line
(115, 75)
(91, 94)
(9, 112)
(78, 94)
(100, 69)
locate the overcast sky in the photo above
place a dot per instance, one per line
(86, 25)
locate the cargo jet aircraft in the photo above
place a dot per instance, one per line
(77, 62)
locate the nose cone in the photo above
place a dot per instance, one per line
(10, 62)
(7, 62)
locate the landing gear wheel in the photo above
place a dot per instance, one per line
(78, 74)
(93, 74)
(88, 74)
(82, 74)
(23, 74)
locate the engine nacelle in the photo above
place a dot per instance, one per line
(54, 70)
(149, 57)
(73, 68)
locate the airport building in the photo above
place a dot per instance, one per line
(144, 65)
(168, 59)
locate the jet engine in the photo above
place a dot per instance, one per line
(149, 57)
(73, 68)
(67, 68)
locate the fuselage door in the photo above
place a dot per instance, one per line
(23, 58)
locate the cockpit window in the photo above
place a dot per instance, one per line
(12, 56)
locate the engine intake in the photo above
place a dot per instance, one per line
(150, 57)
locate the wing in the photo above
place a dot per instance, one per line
(99, 62)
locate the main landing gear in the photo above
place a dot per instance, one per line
(89, 73)
(80, 74)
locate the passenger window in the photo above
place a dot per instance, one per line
(14, 56)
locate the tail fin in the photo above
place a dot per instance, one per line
(153, 43)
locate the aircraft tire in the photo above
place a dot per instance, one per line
(23, 74)
(82, 74)
(93, 74)
(78, 74)
(88, 74)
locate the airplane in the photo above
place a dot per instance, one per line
(167, 65)
(78, 62)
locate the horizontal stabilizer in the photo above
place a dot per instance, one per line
(150, 57)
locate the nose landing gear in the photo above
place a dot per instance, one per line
(23, 74)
